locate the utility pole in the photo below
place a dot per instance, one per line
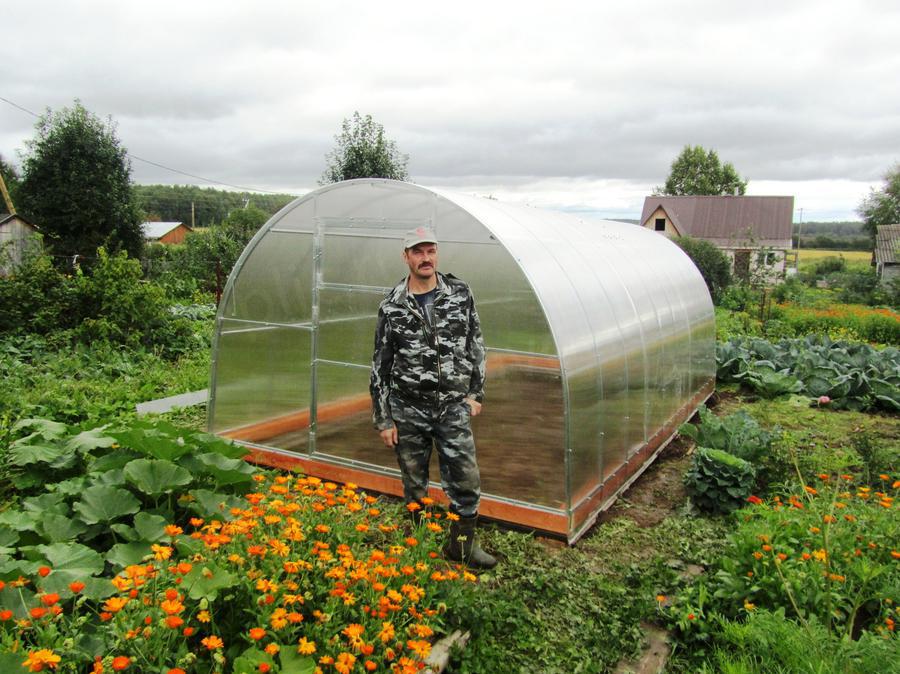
(799, 234)
(6, 198)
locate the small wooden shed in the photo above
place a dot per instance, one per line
(165, 232)
(16, 235)
(887, 252)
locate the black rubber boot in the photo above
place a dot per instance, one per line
(462, 546)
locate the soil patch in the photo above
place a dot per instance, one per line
(659, 492)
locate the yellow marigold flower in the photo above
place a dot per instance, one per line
(436, 528)
(453, 517)
(39, 659)
(161, 552)
(749, 606)
(306, 647)
(278, 618)
(115, 604)
(272, 649)
(204, 617)
(387, 632)
(820, 555)
(420, 647)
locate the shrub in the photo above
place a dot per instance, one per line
(719, 482)
(109, 302)
(713, 264)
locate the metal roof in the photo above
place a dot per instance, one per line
(887, 244)
(157, 230)
(728, 220)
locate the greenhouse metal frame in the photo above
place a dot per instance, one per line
(600, 341)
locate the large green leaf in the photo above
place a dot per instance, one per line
(248, 662)
(57, 528)
(151, 528)
(103, 504)
(71, 487)
(46, 503)
(45, 428)
(205, 580)
(226, 471)
(28, 454)
(96, 438)
(213, 443)
(126, 554)
(19, 520)
(214, 504)
(294, 663)
(156, 476)
(158, 439)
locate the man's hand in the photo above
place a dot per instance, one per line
(389, 436)
(474, 406)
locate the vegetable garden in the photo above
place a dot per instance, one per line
(763, 540)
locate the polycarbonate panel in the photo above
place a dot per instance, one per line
(511, 316)
(347, 325)
(272, 280)
(344, 416)
(261, 373)
(365, 261)
(520, 433)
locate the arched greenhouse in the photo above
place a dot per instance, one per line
(600, 339)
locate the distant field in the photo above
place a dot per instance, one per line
(854, 258)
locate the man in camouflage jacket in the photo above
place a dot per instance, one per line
(427, 382)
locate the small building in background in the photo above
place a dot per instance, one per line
(16, 235)
(165, 232)
(754, 232)
(887, 252)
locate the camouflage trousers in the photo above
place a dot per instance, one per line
(448, 429)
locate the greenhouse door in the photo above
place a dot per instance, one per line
(355, 264)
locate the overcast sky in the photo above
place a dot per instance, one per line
(581, 107)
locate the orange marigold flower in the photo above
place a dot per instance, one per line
(44, 571)
(691, 616)
(272, 649)
(37, 660)
(420, 647)
(453, 517)
(411, 542)
(353, 630)
(38, 612)
(173, 530)
(188, 631)
(257, 633)
(810, 490)
(49, 599)
(174, 622)
(306, 647)
(115, 604)
(660, 598)
(895, 554)
(755, 500)
(176, 670)
(263, 667)
(6, 614)
(212, 642)
(171, 606)
(120, 663)
(829, 519)
(884, 477)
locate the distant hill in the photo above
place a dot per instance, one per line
(172, 203)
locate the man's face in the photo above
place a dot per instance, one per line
(422, 260)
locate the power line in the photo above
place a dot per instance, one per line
(158, 165)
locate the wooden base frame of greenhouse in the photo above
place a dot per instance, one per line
(587, 506)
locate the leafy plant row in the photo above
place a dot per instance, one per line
(841, 374)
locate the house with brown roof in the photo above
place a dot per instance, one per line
(165, 232)
(754, 232)
(887, 252)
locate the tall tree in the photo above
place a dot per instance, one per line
(882, 206)
(363, 151)
(76, 185)
(697, 171)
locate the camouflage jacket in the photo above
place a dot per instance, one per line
(421, 365)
